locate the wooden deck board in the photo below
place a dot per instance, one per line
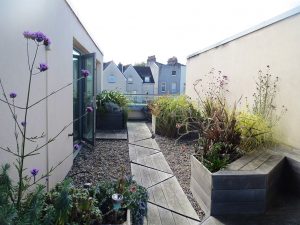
(163, 188)
(254, 164)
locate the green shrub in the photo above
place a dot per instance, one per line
(215, 160)
(171, 111)
(256, 131)
(111, 97)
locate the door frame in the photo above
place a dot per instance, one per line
(80, 92)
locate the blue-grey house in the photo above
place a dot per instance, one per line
(169, 78)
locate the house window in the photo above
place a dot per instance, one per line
(174, 87)
(174, 73)
(163, 86)
(111, 79)
(147, 79)
(130, 80)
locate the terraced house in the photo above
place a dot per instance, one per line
(169, 78)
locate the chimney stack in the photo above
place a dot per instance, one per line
(120, 66)
(172, 61)
(151, 59)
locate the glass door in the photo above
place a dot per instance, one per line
(88, 94)
(84, 96)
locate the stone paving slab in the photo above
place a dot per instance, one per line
(168, 203)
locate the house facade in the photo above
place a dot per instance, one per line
(113, 78)
(275, 43)
(72, 49)
(170, 78)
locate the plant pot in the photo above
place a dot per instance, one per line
(127, 222)
(235, 191)
(110, 120)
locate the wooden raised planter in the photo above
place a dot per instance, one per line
(246, 186)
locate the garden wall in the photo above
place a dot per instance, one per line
(275, 43)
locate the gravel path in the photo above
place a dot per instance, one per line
(104, 162)
(178, 157)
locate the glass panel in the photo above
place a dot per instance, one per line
(75, 98)
(88, 99)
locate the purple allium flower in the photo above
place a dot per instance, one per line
(34, 172)
(85, 73)
(43, 67)
(28, 35)
(47, 41)
(23, 123)
(76, 147)
(89, 109)
(12, 95)
(39, 36)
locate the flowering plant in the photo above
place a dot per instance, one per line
(17, 204)
(135, 198)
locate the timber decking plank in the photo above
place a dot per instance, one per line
(238, 164)
(153, 217)
(254, 164)
(159, 198)
(161, 162)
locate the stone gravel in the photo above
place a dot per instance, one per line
(178, 156)
(104, 162)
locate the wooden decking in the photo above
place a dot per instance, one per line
(168, 203)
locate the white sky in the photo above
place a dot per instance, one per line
(128, 31)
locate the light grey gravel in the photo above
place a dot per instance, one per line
(105, 161)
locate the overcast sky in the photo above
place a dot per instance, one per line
(128, 31)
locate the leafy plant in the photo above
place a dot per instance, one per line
(217, 131)
(111, 97)
(171, 111)
(66, 204)
(135, 198)
(215, 159)
(255, 130)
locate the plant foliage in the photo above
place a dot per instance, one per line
(171, 111)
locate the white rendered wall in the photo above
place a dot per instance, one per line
(120, 84)
(277, 45)
(57, 21)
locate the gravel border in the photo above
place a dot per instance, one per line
(103, 162)
(178, 156)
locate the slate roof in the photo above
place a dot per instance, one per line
(106, 64)
(144, 71)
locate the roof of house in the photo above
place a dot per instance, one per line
(144, 71)
(290, 13)
(105, 65)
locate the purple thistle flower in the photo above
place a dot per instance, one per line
(76, 147)
(89, 109)
(39, 36)
(85, 73)
(34, 172)
(12, 95)
(43, 67)
(47, 41)
(23, 123)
